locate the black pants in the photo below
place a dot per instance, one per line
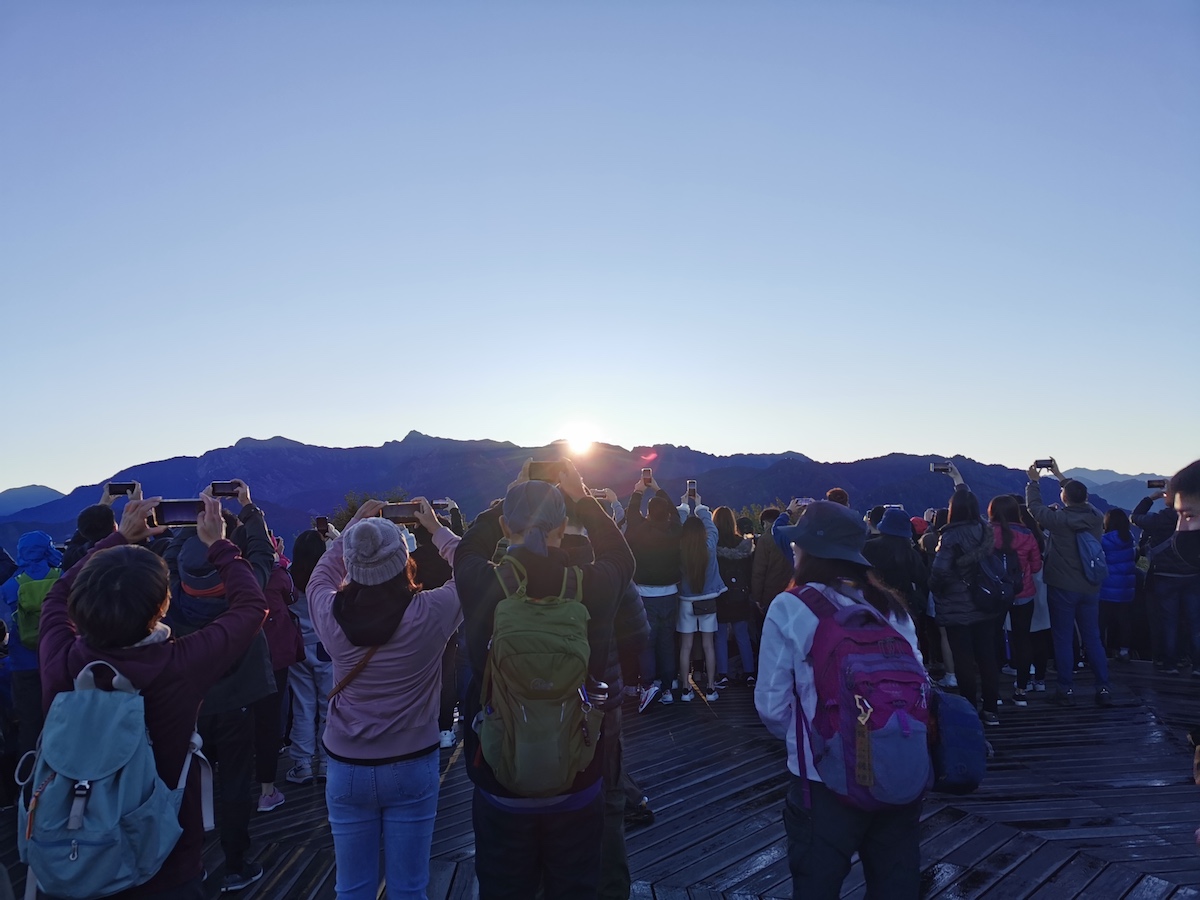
(449, 695)
(1021, 617)
(268, 713)
(515, 852)
(229, 745)
(822, 839)
(974, 650)
(1116, 624)
(614, 870)
(27, 701)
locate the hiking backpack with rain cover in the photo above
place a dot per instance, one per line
(538, 730)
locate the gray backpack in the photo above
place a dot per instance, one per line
(97, 819)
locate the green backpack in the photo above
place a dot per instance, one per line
(31, 594)
(538, 729)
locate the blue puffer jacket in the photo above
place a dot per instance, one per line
(1121, 557)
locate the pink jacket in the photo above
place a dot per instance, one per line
(1026, 546)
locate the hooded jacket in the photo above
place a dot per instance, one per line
(36, 556)
(734, 564)
(173, 674)
(960, 548)
(1064, 569)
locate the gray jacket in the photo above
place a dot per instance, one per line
(1064, 570)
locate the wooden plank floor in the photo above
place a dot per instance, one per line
(1082, 802)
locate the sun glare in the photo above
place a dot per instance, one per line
(580, 438)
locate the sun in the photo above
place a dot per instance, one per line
(580, 438)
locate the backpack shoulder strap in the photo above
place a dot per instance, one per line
(572, 586)
(86, 679)
(512, 576)
(23, 578)
(818, 604)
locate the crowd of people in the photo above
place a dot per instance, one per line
(526, 635)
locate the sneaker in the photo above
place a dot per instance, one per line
(989, 718)
(667, 698)
(999, 702)
(1104, 697)
(236, 881)
(751, 680)
(447, 739)
(1040, 687)
(949, 680)
(648, 696)
(1123, 655)
(1009, 670)
(1065, 698)
(688, 696)
(300, 773)
(639, 815)
(273, 800)
(1020, 698)
(1170, 670)
(711, 695)
(722, 682)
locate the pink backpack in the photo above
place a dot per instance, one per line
(869, 736)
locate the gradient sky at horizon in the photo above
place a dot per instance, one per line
(845, 229)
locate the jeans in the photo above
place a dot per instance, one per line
(658, 659)
(822, 839)
(229, 744)
(1068, 609)
(395, 802)
(614, 868)
(1171, 596)
(311, 680)
(515, 851)
(741, 633)
(974, 650)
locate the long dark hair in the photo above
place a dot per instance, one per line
(693, 553)
(308, 547)
(1118, 520)
(727, 530)
(835, 572)
(1005, 512)
(964, 507)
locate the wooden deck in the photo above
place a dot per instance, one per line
(1084, 802)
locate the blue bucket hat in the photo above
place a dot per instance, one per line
(896, 523)
(534, 508)
(830, 531)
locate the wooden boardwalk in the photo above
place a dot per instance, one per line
(1084, 802)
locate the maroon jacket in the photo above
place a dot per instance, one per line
(283, 636)
(172, 675)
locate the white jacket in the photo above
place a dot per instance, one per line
(783, 663)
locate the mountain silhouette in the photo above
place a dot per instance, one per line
(293, 482)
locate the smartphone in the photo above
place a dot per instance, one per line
(224, 488)
(117, 488)
(1157, 483)
(940, 468)
(1043, 464)
(647, 476)
(691, 489)
(401, 513)
(548, 471)
(321, 523)
(599, 493)
(178, 512)
(804, 501)
(440, 506)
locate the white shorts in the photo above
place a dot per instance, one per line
(689, 623)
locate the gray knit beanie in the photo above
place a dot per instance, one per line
(374, 550)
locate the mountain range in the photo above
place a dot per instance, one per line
(293, 482)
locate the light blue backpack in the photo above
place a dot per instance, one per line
(98, 819)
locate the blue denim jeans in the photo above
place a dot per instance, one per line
(741, 633)
(658, 659)
(395, 803)
(1068, 609)
(1171, 597)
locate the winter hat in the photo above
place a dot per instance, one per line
(37, 547)
(534, 508)
(196, 574)
(895, 522)
(830, 531)
(920, 526)
(374, 550)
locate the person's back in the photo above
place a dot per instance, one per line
(1064, 566)
(771, 569)
(896, 561)
(173, 673)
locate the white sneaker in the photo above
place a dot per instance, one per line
(667, 698)
(300, 773)
(949, 680)
(648, 696)
(447, 739)
(688, 696)
(711, 696)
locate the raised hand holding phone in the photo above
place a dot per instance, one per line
(425, 515)
(134, 527)
(210, 524)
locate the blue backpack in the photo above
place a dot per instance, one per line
(957, 744)
(99, 819)
(1091, 555)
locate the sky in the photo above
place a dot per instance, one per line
(845, 229)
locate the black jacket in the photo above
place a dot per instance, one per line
(655, 545)
(734, 564)
(900, 565)
(961, 546)
(1158, 533)
(479, 591)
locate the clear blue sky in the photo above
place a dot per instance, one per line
(844, 229)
